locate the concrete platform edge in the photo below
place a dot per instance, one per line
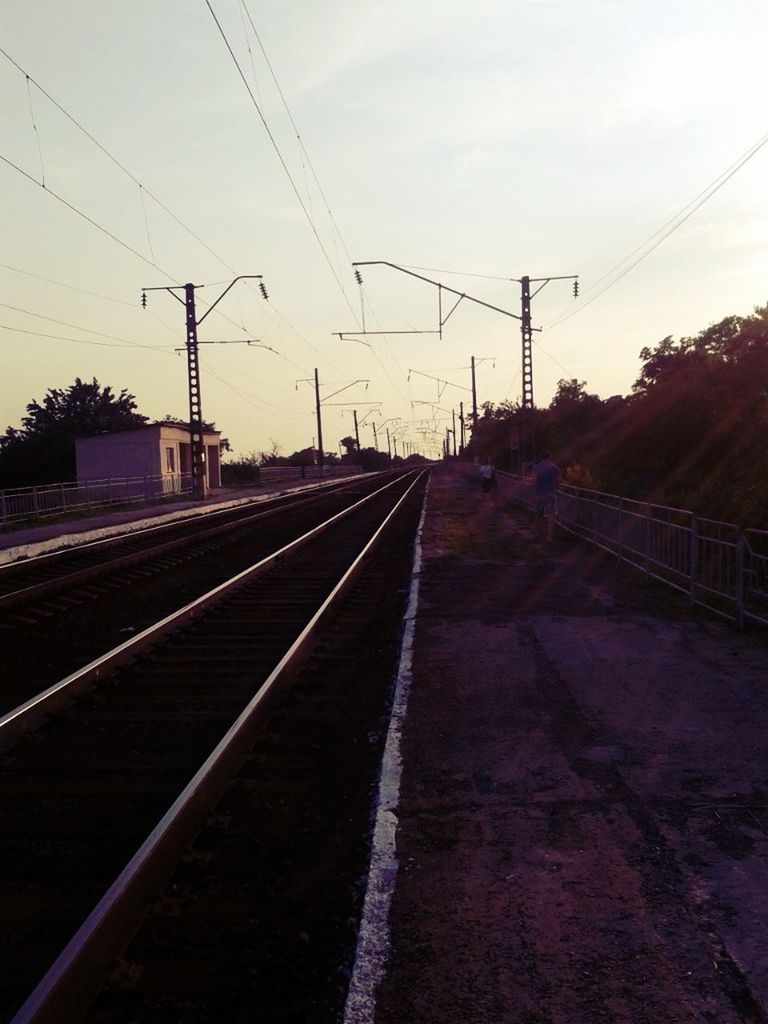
(373, 937)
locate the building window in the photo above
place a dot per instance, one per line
(170, 460)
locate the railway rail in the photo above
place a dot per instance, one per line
(30, 579)
(97, 596)
(101, 800)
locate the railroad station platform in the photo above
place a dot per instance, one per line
(573, 817)
(62, 532)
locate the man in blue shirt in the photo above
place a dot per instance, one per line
(546, 478)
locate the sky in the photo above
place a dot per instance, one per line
(150, 145)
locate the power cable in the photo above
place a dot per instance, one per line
(62, 284)
(281, 159)
(252, 400)
(85, 217)
(457, 273)
(106, 231)
(115, 161)
(37, 133)
(296, 130)
(143, 190)
(664, 232)
(85, 341)
(77, 327)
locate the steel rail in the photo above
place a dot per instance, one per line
(33, 711)
(123, 531)
(58, 583)
(75, 978)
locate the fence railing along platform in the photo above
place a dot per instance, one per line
(718, 565)
(47, 500)
(18, 503)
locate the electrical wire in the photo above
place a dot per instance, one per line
(257, 403)
(61, 284)
(77, 327)
(296, 130)
(303, 338)
(281, 158)
(37, 133)
(458, 273)
(143, 191)
(85, 341)
(90, 220)
(115, 161)
(663, 233)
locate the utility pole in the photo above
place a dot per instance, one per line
(320, 458)
(357, 431)
(474, 397)
(526, 330)
(389, 446)
(461, 421)
(375, 439)
(318, 404)
(197, 445)
(196, 441)
(453, 414)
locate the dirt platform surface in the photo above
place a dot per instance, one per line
(584, 804)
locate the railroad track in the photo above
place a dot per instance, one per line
(30, 579)
(127, 773)
(97, 597)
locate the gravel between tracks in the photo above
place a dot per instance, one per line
(584, 808)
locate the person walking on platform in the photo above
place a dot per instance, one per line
(546, 478)
(488, 481)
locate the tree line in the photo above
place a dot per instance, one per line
(692, 434)
(42, 450)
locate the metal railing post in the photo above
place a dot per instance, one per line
(741, 543)
(694, 558)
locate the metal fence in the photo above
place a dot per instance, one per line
(20, 503)
(718, 565)
(277, 474)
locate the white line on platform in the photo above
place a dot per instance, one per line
(373, 938)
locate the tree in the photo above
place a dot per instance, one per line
(349, 444)
(243, 471)
(273, 457)
(43, 449)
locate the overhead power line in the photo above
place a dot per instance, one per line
(662, 234)
(77, 327)
(296, 130)
(90, 220)
(85, 341)
(143, 190)
(281, 158)
(62, 284)
(113, 158)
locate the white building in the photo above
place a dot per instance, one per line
(161, 451)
